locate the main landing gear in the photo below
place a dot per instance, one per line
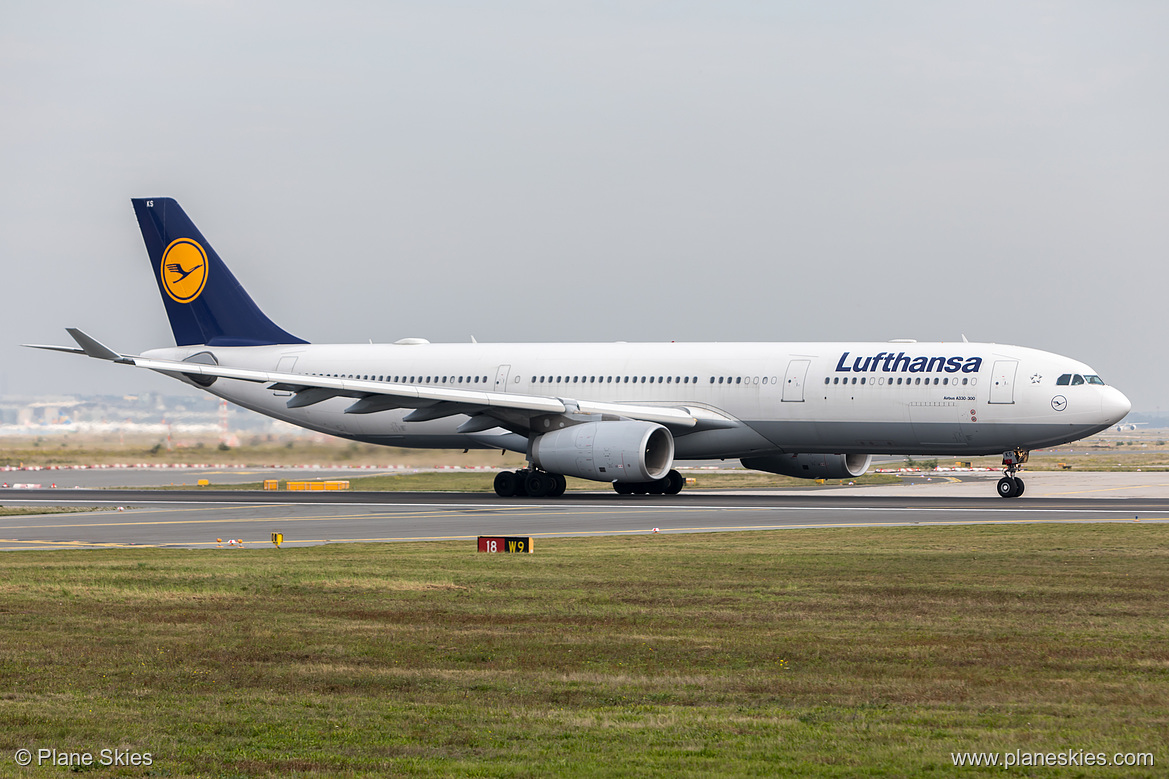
(529, 483)
(1011, 486)
(670, 484)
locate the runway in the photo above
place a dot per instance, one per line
(191, 519)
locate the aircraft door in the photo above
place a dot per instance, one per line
(793, 383)
(501, 378)
(1002, 381)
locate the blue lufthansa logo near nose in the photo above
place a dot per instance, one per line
(1059, 402)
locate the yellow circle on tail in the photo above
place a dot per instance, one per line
(183, 270)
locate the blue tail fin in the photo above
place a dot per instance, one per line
(204, 302)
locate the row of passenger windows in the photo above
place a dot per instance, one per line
(908, 380)
(614, 379)
(410, 379)
(1074, 379)
(1065, 379)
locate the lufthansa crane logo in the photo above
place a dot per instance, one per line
(184, 270)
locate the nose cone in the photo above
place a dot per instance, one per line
(1114, 406)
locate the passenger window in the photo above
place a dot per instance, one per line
(862, 379)
(1077, 380)
(826, 380)
(854, 379)
(720, 379)
(835, 379)
(738, 380)
(964, 382)
(1064, 380)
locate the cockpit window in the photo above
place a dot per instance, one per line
(1064, 380)
(1095, 380)
(1077, 380)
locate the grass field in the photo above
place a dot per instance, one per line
(839, 652)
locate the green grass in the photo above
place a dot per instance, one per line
(804, 652)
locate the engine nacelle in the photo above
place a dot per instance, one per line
(812, 466)
(621, 450)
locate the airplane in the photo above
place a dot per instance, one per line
(1129, 426)
(622, 413)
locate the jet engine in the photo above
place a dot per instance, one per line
(620, 450)
(812, 466)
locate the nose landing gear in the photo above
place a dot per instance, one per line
(1011, 486)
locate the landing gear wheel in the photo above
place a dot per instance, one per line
(674, 483)
(538, 484)
(506, 484)
(623, 488)
(560, 484)
(657, 487)
(1010, 487)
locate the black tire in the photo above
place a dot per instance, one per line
(1007, 488)
(640, 487)
(506, 484)
(560, 485)
(538, 485)
(1019, 487)
(675, 483)
(623, 488)
(657, 487)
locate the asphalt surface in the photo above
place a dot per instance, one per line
(201, 519)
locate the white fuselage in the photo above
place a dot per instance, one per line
(841, 398)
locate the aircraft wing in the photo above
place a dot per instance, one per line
(487, 409)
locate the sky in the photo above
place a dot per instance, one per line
(639, 171)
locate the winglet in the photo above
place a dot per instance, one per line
(91, 346)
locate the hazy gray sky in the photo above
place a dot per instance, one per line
(605, 171)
